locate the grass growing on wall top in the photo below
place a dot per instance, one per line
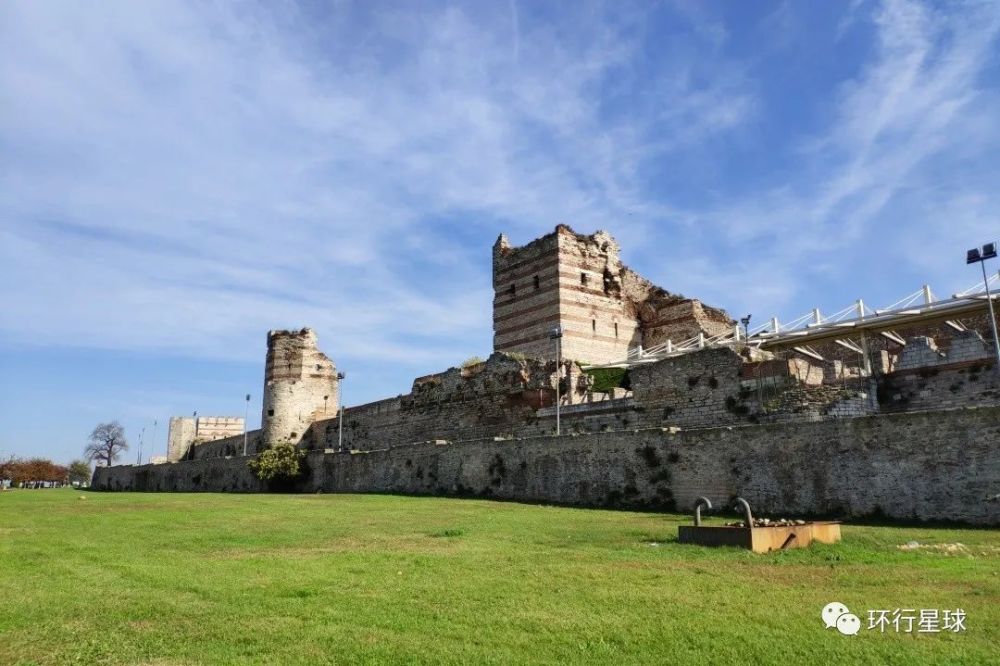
(123, 578)
(606, 379)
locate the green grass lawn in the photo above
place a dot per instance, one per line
(125, 578)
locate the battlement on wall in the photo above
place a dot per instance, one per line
(187, 431)
(604, 308)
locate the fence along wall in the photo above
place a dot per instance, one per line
(939, 465)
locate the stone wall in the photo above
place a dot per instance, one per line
(210, 474)
(699, 389)
(490, 399)
(940, 386)
(925, 466)
(229, 446)
(508, 397)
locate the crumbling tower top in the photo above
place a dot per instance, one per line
(300, 385)
(578, 282)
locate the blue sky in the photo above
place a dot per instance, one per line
(177, 178)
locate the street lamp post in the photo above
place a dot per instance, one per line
(246, 415)
(340, 411)
(988, 251)
(556, 334)
(154, 434)
(141, 433)
(746, 328)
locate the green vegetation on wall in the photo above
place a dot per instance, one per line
(605, 379)
(472, 361)
(281, 461)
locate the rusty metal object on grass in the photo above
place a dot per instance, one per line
(700, 502)
(758, 536)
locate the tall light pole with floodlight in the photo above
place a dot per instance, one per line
(746, 328)
(138, 460)
(988, 251)
(246, 415)
(556, 334)
(340, 412)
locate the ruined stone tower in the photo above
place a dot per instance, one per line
(300, 386)
(603, 307)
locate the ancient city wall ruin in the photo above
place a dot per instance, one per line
(509, 396)
(853, 426)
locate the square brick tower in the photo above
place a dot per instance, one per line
(579, 283)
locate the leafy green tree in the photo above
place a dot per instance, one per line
(79, 471)
(280, 461)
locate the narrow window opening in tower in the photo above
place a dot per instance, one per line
(593, 325)
(512, 290)
(537, 282)
(583, 278)
(270, 412)
(616, 329)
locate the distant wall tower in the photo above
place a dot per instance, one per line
(180, 436)
(300, 386)
(187, 430)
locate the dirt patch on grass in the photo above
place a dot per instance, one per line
(951, 549)
(422, 544)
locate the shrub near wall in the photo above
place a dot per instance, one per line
(279, 466)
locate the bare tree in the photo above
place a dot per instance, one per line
(106, 443)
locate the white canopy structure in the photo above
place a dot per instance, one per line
(843, 327)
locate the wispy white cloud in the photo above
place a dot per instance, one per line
(183, 176)
(176, 178)
(891, 189)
